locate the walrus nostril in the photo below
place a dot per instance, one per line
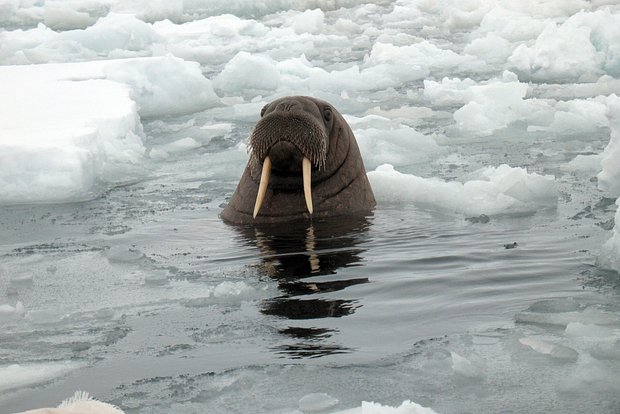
(285, 157)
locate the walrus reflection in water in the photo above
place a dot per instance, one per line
(311, 262)
(304, 163)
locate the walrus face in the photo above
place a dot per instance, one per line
(304, 164)
(290, 140)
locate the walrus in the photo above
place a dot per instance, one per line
(304, 164)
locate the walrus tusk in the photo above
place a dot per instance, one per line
(305, 167)
(262, 187)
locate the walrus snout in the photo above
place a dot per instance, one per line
(288, 139)
(286, 158)
(300, 129)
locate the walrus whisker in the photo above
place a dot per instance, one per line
(300, 130)
(262, 186)
(306, 170)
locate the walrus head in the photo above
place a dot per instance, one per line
(303, 156)
(291, 138)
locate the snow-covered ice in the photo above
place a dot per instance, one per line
(491, 191)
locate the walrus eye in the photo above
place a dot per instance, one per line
(262, 111)
(327, 113)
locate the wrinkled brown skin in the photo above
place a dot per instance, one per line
(340, 187)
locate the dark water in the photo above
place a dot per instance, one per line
(175, 311)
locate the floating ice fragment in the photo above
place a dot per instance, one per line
(164, 85)
(248, 71)
(584, 329)
(407, 407)
(310, 21)
(231, 289)
(400, 145)
(149, 10)
(609, 177)
(316, 402)
(594, 38)
(466, 367)
(491, 191)
(59, 15)
(22, 375)
(181, 145)
(7, 310)
(549, 348)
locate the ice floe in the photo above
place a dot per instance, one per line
(490, 191)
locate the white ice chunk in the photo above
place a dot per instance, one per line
(491, 105)
(310, 21)
(551, 349)
(248, 71)
(412, 62)
(164, 85)
(407, 407)
(609, 177)
(68, 130)
(316, 402)
(585, 46)
(23, 375)
(578, 329)
(449, 91)
(7, 310)
(59, 15)
(59, 140)
(491, 191)
(112, 36)
(180, 145)
(579, 116)
(491, 48)
(466, 367)
(226, 289)
(510, 25)
(399, 145)
(584, 163)
(149, 10)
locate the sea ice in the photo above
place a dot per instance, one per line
(549, 348)
(407, 407)
(466, 367)
(7, 310)
(398, 145)
(609, 177)
(594, 39)
(17, 376)
(491, 191)
(317, 402)
(70, 130)
(65, 138)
